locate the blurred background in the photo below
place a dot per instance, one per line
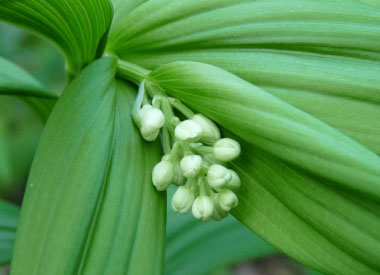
(20, 129)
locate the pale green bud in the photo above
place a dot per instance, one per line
(203, 208)
(227, 199)
(188, 130)
(226, 149)
(218, 176)
(178, 179)
(162, 175)
(210, 132)
(234, 183)
(191, 165)
(152, 119)
(148, 134)
(218, 213)
(182, 200)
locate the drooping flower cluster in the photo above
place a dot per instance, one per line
(195, 156)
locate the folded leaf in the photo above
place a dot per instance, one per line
(210, 245)
(303, 54)
(78, 28)
(17, 82)
(315, 223)
(90, 207)
(271, 124)
(8, 223)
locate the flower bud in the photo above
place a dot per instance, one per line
(191, 165)
(148, 134)
(188, 130)
(226, 149)
(182, 200)
(210, 132)
(218, 213)
(234, 183)
(203, 208)
(218, 176)
(227, 199)
(163, 174)
(178, 179)
(152, 119)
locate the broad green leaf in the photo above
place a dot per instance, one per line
(318, 225)
(345, 28)
(274, 47)
(122, 8)
(196, 247)
(8, 223)
(78, 27)
(271, 124)
(16, 82)
(329, 88)
(90, 207)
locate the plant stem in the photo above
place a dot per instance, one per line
(132, 72)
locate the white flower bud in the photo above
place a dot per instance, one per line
(152, 119)
(191, 165)
(218, 176)
(227, 199)
(148, 134)
(182, 200)
(203, 208)
(234, 183)
(226, 149)
(163, 174)
(210, 132)
(188, 130)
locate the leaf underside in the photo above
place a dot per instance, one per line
(78, 27)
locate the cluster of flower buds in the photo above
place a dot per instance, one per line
(195, 158)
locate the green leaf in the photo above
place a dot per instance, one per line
(348, 28)
(209, 245)
(271, 124)
(8, 223)
(122, 8)
(320, 226)
(78, 27)
(16, 82)
(90, 207)
(260, 42)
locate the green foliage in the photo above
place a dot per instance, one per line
(96, 205)
(278, 200)
(274, 47)
(8, 222)
(19, 133)
(15, 81)
(78, 28)
(209, 245)
(271, 124)
(295, 81)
